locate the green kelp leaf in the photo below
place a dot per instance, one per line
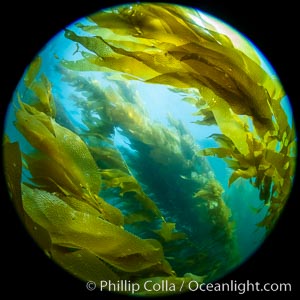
(138, 45)
(158, 18)
(125, 65)
(108, 158)
(32, 71)
(110, 213)
(94, 43)
(161, 62)
(82, 65)
(64, 147)
(32, 113)
(278, 160)
(210, 197)
(115, 22)
(208, 117)
(39, 234)
(230, 124)
(71, 228)
(219, 152)
(256, 147)
(235, 73)
(102, 210)
(139, 216)
(41, 87)
(281, 119)
(203, 53)
(56, 180)
(83, 264)
(5, 139)
(127, 42)
(136, 21)
(212, 190)
(167, 232)
(172, 79)
(265, 189)
(107, 56)
(223, 141)
(128, 65)
(114, 178)
(247, 174)
(43, 91)
(222, 73)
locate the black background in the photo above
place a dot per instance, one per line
(26, 28)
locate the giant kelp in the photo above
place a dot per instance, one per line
(62, 208)
(90, 212)
(170, 156)
(149, 207)
(161, 43)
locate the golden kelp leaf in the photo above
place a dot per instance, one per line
(56, 179)
(128, 42)
(32, 113)
(176, 79)
(212, 190)
(64, 147)
(278, 160)
(140, 216)
(127, 183)
(280, 118)
(108, 158)
(110, 213)
(229, 123)
(223, 141)
(223, 58)
(32, 71)
(208, 117)
(247, 174)
(43, 91)
(161, 62)
(41, 87)
(82, 65)
(83, 264)
(71, 228)
(167, 232)
(219, 152)
(115, 22)
(39, 234)
(94, 44)
(81, 205)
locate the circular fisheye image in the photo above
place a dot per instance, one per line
(149, 148)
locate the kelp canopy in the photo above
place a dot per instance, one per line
(150, 207)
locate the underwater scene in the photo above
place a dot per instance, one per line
(149, 142)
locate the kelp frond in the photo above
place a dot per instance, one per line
(161, 43)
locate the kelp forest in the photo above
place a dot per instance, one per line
(113, 194)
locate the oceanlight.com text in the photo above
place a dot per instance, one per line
(168, 286)
(240, 287)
